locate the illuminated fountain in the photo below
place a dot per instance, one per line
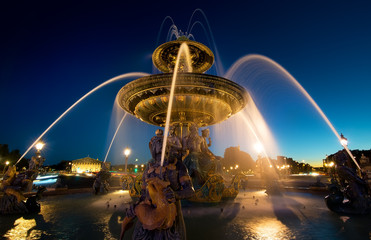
(186, 98)
(199, 100)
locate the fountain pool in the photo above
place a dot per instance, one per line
(252, 215)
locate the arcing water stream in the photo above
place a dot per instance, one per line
(254, 57)
(114, 136)
(183, 50)
(120, 77)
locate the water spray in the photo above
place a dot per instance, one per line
(114, 136)
(182, 50)
(298, 85)
(120, 77)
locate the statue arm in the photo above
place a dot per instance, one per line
(177, 144)
(186, 190)
(209, 142)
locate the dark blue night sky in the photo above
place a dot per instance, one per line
(54, 52)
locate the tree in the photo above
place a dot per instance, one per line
(234, 156)
(11, 156)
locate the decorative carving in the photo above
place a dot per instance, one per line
(206, 98)
(347, 185)
(164, 57)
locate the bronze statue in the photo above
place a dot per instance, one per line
(14, 185)
(347, 184)
(199, 160)
(174, 146)
(158, 209)
(101, 182)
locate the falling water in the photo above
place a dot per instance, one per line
(114, 136)
(120, 77)
(252, 57)
(185, 51)
(210, 36)
(259, 142)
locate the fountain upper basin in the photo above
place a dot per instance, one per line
(199, 98)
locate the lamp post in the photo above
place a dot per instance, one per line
(38, 160)
(127, 152)
(6, 164)
(344, 140)
(39, 146)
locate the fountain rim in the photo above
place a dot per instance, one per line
(198, 81)
(159, 63)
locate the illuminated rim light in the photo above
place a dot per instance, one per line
(39, 146)
(127, 152)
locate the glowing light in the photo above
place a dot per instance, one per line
(7, 163)
(269, 228)
(121, 192)
(343, 140)
(127, 152)
(331, 164)
(39, 146)
(46, 177)
(46, 181)
(258, 147)
(23, 229)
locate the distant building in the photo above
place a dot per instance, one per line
(87, 164)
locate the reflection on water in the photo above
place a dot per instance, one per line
(22, 229)
(252, 215)
(268, 228)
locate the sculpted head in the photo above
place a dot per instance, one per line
(172, 130)
(159, 132)
(205, 132)
(193, 128)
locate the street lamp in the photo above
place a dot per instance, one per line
(127, 152)
(343, 140)
(39, 146)
(6, 164)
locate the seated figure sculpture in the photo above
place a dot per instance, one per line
(158, 209)
(199, 160)
(205, 146)
(346, 184)
(14, 185)
(101, 183)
